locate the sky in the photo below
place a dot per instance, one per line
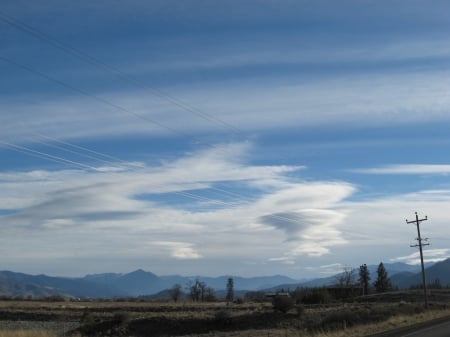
(213, 138)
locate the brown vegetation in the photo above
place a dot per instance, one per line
(109, 318)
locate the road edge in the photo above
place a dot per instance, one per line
(411, 328)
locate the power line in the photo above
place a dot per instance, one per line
(59, 159)
(81, 148)
(85, 93)
(47, 156)
(97, 98)
(114, 70)
(61, 148)
(98, 63)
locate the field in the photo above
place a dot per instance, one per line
(121, 318)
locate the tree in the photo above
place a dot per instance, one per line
(197, 290)
(210, 294)
(436, 284)
(202, 287)
(345, 282)
(382, 283)
(175, 292)
(364, 278)
(194, 290)
(230, 290)
(345, 279)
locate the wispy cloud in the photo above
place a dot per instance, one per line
(419, 169)
(321, 86)
(180, 250)
(381, 99)
(77, 202)
(430, 255)
(309, 231)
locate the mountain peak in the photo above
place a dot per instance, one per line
(140, 272)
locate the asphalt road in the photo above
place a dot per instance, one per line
(436, 328)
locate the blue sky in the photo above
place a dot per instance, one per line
(227, 137)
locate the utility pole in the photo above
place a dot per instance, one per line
(420, 244)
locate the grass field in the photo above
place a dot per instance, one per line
(25, 333)
(109, 318)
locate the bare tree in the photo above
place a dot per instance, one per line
(194, 290)
(345, 281)
(202, 287)
(197, 290)
(346, 278)
(175, 292)
(210, 294)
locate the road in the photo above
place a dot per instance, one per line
(437, 328)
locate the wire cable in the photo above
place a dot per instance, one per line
(47, 156)
(98, 63)
(107, 156)
(190, 195)
(97, 98)
(114, 70)
(61, 148)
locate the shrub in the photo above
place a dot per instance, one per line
(222, 318)
(339, 320)
(239, 300)
(282, 303)
(121, 318)
(300, 310)
(317, 296)
(87, 319)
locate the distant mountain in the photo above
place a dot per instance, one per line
(251, 283)
(144, 283)
(109, 285)
(396, 271)
(18, 284)
(439, 271)
(138, 282)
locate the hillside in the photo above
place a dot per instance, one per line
(142, 283)
(401, 274)
(109, 285)
(23, 285)
(439, 272)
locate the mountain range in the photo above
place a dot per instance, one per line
(110, 285)
(140, 282)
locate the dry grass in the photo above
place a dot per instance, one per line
(26, 333)
(146, 310)
(390, 324)
(357, 331)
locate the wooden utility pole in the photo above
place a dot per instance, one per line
(420, 244)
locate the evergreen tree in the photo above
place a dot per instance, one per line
(383, 283)
(364, 278)
(230, 290)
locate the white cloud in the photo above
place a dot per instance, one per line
(407, 169)
(430, 255)
(329, 269)
(261, 82)
(308, 215)
(377, 231)
(123, 209)
(287, 222)
(384, 98)
(180, 250)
